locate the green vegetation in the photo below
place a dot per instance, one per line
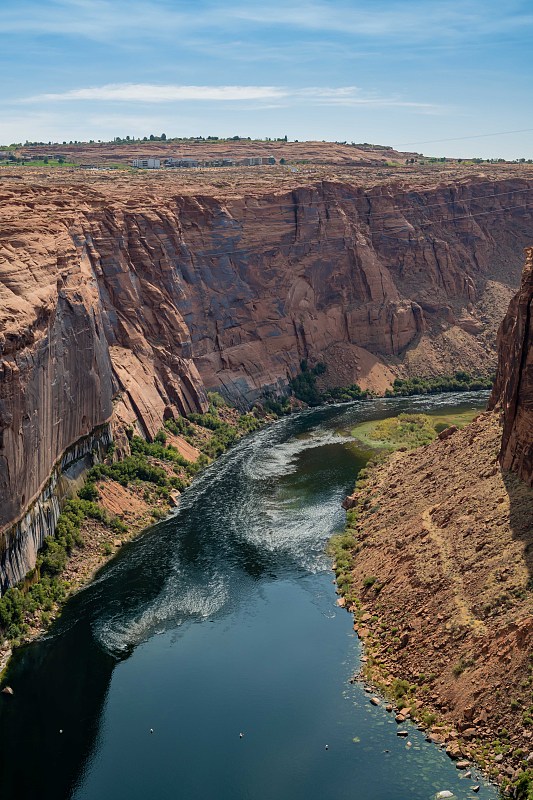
(276, 407)
(132, 468)
(37, 162)
(341, 548)
(43, 588)
(400, 688)
(304, 387)
(408, 430)
(405, 430)
(523, 786)
(460, 382)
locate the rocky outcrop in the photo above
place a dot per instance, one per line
(123, 298)
(513, 390)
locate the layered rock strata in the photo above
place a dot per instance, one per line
(513, 390)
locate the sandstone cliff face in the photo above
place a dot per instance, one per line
(122, 301)
(513, 389)
(77, 332)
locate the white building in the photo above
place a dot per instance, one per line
(146, 163)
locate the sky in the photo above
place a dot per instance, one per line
(435, 76)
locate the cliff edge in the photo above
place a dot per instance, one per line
(513, 390)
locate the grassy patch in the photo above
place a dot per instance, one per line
(408, 430)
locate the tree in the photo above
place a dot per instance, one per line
(163, 137)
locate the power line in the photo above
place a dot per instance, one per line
(462, 138)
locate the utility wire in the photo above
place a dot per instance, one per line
(462, 138)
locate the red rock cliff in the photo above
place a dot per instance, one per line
(513, 389)
(122, 298)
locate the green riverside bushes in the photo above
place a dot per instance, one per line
(460, 382)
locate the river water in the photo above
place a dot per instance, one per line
(218, 621)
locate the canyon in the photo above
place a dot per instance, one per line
(126, 297)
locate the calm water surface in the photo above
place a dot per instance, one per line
(218, 621)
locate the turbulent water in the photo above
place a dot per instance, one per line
(220, 621)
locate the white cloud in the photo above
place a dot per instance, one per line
(161, 93)
(169, 93)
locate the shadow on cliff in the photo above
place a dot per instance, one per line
(521, 515)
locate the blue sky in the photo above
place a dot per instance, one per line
(388, 72)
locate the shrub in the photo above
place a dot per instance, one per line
(462, 665)
(54, 557)
(179, 427)
(88, 491)
(216, 400)
(400, 688)
(130, 469)
(118, 525)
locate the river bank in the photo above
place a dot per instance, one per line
(435, 564)
(119, 501)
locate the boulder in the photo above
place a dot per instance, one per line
(447, 432)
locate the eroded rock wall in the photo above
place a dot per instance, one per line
(513, 390)
(123, 302)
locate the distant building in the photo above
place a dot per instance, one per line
(5, 153)
(268, 160)
(146, 163)
(182, 162)
(219, 162)
(255, 161)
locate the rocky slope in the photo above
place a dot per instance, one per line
(513, 390)
(441, 571)
(123, 297)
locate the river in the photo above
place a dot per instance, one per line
(218, 621)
